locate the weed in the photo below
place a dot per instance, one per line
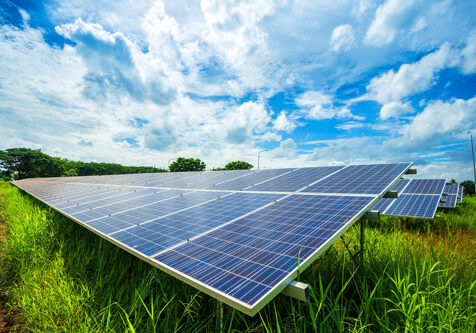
(419, 276)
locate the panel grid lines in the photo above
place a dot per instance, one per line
(237, 235)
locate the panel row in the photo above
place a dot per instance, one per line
(357, 179)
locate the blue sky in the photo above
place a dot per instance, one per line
(312, 82)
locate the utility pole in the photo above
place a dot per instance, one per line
(474, 165)
(259, 154)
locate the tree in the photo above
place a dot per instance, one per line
(468, 187)
(70, 173)
(187, 164)
(29, 163)
(238, 165)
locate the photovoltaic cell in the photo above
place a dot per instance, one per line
(449, 201)
(383, 204)
(425, 186)
(250, 180)
(364, 179)
(171, 202)
(460, 194)
(295, 180)
(451, 189)
(423, 205)
(400, 185)
(161, 233)
(258, 251)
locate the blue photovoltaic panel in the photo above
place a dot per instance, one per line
(172, 203)
(218, 179)
(66, 193)
(460, 194)
(249, 257)
(383, 204)
(423, 205)
(295, 180)
(365, 179)
(141, 206)
(451, 189)
(236, 246)
(415, 191)
(250, 180)
(449, 201)
(114, 197)
(400, 185)
(425, 186)
(161, 233)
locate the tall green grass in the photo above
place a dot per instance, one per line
(417, 276)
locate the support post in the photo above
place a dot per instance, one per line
(219, 317)
(297, 290)
(100, 245)
(362, 240)
(352, 256)
(411, 172)
(391, 194)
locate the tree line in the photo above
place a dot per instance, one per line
(30, 163)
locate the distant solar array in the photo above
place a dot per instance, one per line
(460, 194)
(239, 236)
(420, 198)
(416, 198)
(451, 199)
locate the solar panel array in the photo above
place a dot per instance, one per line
(417, 198)
(239, 236)
(450, 200)
(460, 194)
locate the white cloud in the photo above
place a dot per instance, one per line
(350, 125)
(394, 109)
(441, 119)
(342, 38)
(114, 64)
(392, 17)
(234, 32)
(244, 121)
(287, 148)
(283, 123)
(410, 78)
(469, 54)
(317, 105)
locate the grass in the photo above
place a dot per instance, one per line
(418, 276)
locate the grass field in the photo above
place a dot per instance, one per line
(417, 276)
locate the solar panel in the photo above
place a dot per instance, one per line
(364, 179)
(417, 198)
(295, 180)
(425, 186)
(421, 205)
(451, 188)
(155, 235)
(382, 205)
(241, 183)
(249, 257)
(460, 194)
(400, 185)
(449, 201)
(235, 240)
